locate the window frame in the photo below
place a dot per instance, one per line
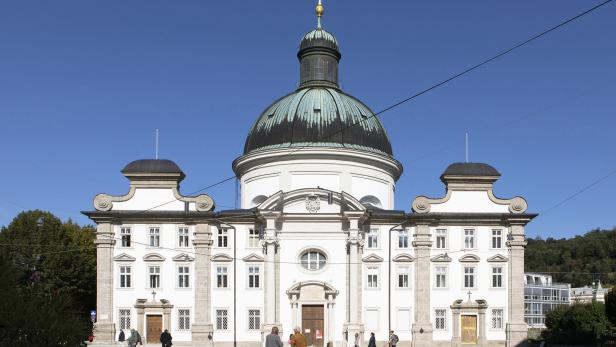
(474, 238)
(377, 273)
(228, 316)
(502, 276)
(474, 276)
(179, 236)
(403, 234)
(436, 237)
(130, 276)
(446, 279)
(120, 316)
(251, 237)
(130, 236)
(399, 272)
(149, 276)
(258, 276)
(260, 317)
(502, 319)
(371, 236)
(222, 234)
(157, 236)
(180, 316)
(187, 275)
(493, 237)
(444, 318)
(225, 274)
(320, 261)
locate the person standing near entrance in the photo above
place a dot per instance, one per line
(298, 339)
(273, 340)
(393, 339)
(372, 342)
(165, 338)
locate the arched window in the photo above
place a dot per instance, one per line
(371, 200)
(257, 200)
(313, 260)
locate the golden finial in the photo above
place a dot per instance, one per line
(319, 10)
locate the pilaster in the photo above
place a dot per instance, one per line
(270, 245)
(104, 326)
(202, 328)
(516, 329)
(422, 327)
(354, 246)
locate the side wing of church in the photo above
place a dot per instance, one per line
(317, 243)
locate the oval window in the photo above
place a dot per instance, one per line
(313, 260)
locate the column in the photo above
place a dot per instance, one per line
(422, 326)
(455, 326)
(481, 325)
(104, 327)
(354, 244)
(516, 328)
(202, 328)
(270, 243)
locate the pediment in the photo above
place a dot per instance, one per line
(221, 257)
(441, 258)
(124, 257)
(153, 257)
(499, 258)
(183, 257)
(469, 258)
(312, 200)
(372, 258)
(251, 258)
(404, 258)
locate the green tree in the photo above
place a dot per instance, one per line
(610, 306)
(577, 324)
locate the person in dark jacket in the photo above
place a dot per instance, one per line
(165, 338)
(122, 337)
(372, 341)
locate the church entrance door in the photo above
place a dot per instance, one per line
(154, 327)
(469, 329)
(312, 323)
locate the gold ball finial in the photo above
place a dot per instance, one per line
(319, 9)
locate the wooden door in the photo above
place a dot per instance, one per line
(154, 327)
(312, 324)
(469, 329)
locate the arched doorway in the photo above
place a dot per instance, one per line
(312, 307)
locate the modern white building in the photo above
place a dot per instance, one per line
(317, 242)
(586, 294)
(542, 295)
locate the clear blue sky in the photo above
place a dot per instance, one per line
(84, 84)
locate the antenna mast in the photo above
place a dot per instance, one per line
(156, 143)
(466, 145)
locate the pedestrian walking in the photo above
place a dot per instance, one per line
(138, 338)
(165, 339)
(372, 341)
(273, 340)
(132, 339)
(298, 339)
(393, 339)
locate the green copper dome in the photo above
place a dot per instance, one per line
(318, 113)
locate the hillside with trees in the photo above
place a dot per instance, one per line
(580, 260)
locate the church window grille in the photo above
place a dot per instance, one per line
(469, 238)
(254, 319)
(497, 318)
(254, 277)
(125, 233)
(440, 319)
(183, 276)
(441, 238)
(469, 277)
(183, 319)
(497, 238)
(497, 277)
(124, 318)
(222, 318)
(440, 277)
(125, 276)
(403, 239)
(154, 272)
(183, 237)
(403, 277)
(154, 237)
(223, 238)
(313, 260)
(253, 238)
(221, 276)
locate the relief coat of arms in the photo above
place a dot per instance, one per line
(313, 203)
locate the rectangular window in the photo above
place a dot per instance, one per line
(469, 238)
(183, 319)
(497, 238)
(403, 277)
(440, 280)
(183, 276)
(372, 238)
(497, 318)
(253, 238)
(440, 319)
(183, 237)
(469, 277)
(497, 277)
(126, 235)
(254, 319)
(221, 276)
(125, 318)
(223, 238)
(125, 276)
(154, 272)
(222, 318)
(403, 239)
(154, 237)
(373, 277)
(441, 238)
(254, 277)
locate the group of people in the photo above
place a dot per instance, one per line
(135, 338)
(297, 339)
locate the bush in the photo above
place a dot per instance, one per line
(582, 324)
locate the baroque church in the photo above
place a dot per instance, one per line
(317, 243)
